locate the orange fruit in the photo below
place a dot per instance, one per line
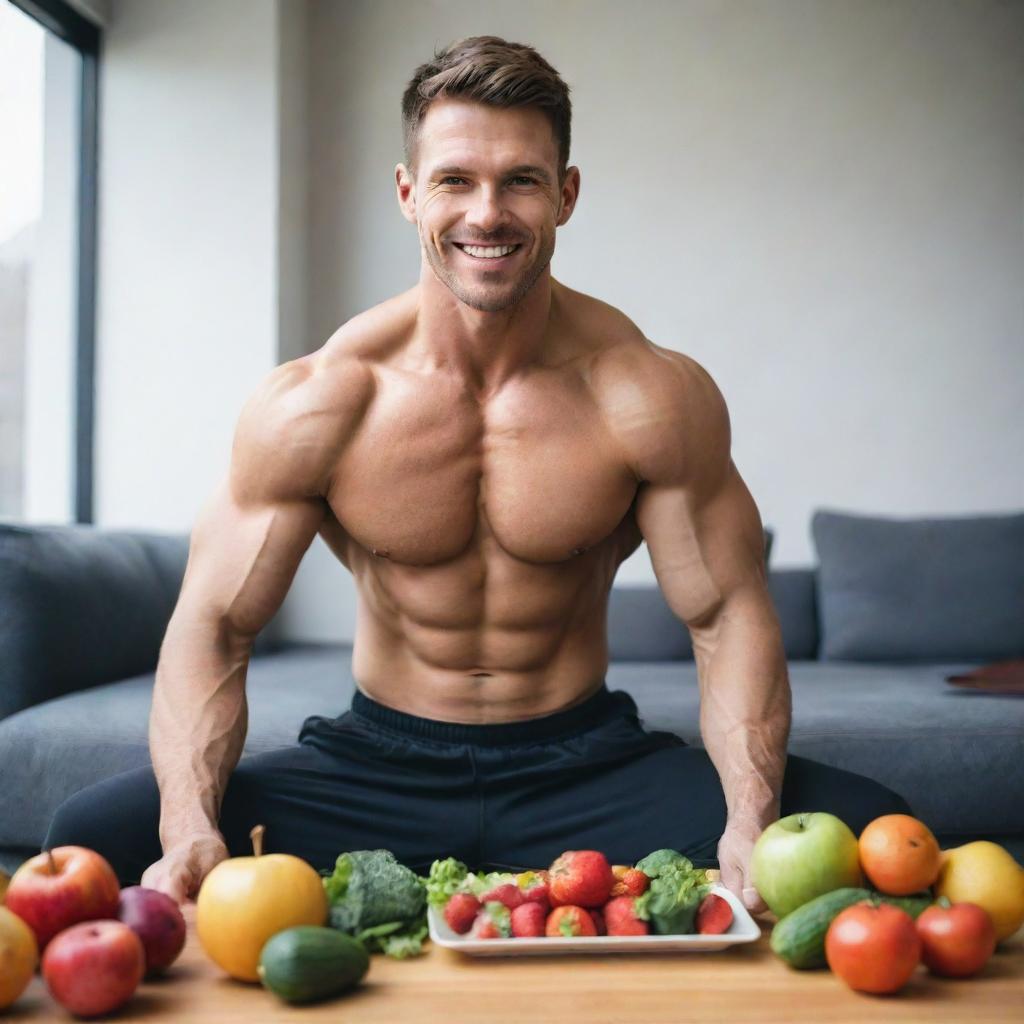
(19, 956)
(899, 854)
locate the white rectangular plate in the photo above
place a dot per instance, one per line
(743, 929)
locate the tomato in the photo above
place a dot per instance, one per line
(956, 941)
(873, 948)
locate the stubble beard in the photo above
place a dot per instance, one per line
(489, 298)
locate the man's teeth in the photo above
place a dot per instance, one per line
(489, 252)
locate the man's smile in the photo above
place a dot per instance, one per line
(494, 255)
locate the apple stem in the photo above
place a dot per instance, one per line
(53, 863)
(256, 835)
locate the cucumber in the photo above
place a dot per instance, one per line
(799, 938)
(307, 963)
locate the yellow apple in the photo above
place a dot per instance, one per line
(245, 900)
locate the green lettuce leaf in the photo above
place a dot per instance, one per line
(445, 879)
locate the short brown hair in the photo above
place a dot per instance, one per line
(489, 70)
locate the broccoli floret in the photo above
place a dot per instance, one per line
(655, 863)
(370, 888)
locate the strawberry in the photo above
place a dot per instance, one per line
(535, 890)
(460, 911)
(581, 878)
(620, 917)
(714, 915)
(568, 922)
(492, 922)
(528, 920)
(630, 882)
(507, 893)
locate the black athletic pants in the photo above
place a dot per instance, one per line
(495, 796)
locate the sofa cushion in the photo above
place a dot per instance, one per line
(642, 627)
(953, 754)
(80, 606)
(794, 594)
(52, 750)
(920, 589)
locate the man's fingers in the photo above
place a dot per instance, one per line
(752, 900)
(732, 878)
(173, 881)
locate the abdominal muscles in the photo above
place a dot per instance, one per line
(485, 636)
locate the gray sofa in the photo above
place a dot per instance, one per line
(870, 633)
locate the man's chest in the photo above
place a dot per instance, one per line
(433, 471)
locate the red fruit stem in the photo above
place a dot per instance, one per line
(256, 835)
(53, 863)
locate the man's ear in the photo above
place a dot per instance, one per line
(405, 187)
(570, 192)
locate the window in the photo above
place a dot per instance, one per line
(48, 74)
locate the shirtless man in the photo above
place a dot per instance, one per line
(481, 451)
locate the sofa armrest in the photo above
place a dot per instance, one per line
(81, 606)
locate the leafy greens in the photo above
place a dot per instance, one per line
(677, 887)
(378, 901)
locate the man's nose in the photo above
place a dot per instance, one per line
(486, 211)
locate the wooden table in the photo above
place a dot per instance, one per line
(744, 983)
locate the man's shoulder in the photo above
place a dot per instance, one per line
(622, 353)
(337, 379)
(294, 425)
(370, 336)
(661, 404)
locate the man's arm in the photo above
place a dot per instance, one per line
(706, 543)
(245, 548)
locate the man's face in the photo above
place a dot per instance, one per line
(486, 177)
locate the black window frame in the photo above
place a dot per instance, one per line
(86, 37)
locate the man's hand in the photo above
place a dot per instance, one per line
(734, 853)
(181, 870)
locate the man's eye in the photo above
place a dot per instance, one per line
(451, 177)
(523, 177)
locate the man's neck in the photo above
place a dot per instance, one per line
(484, 349)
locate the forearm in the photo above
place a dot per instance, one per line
(745, 705)
(198, 721)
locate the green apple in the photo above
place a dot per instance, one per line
(802, 856)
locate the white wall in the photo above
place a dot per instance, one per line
(292, 178)
(821, 202)
(188, 263)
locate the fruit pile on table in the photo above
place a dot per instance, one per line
(947, 909)
(97, 940)
(871, 908)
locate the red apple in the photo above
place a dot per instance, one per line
(157, 921)
(94, 967)
(54, 890)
